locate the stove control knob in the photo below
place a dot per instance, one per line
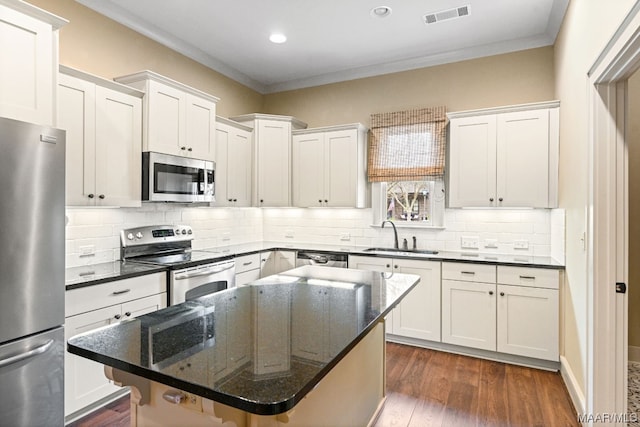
(177, 231)
(184, 231)
(189, 231)
(130, 236)
(138, 235)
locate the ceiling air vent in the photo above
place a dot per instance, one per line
(443, 15)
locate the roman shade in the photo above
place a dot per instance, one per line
(407, 145)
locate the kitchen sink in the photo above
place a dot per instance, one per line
(409, 251)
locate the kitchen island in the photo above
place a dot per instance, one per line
(305, 347)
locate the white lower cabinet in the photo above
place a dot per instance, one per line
(274, 262)
(96, 306)
(512, 310)
(418, 315)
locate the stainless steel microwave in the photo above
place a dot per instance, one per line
(167, 178)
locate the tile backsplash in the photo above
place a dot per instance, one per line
(93, 235)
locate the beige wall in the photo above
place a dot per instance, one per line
(513, 78)
(100, 46)
(586, 29)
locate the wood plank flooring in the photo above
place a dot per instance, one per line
(428, 388)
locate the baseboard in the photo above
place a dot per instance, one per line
(634, 353)
(576, 394)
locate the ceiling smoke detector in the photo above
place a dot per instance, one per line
(443, 15)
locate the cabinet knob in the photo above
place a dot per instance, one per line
(235, 200)
(189, 149)
(101, 197)
(261, 200)
(388, 265)
(117, 317)
(491, 199)
(501, 294)
(500, 199)
(319, 200)
(326, 201)
(229, 200)
(91, 196)
(128, 314)
(183, 148)
(490, 292)
(395, 266)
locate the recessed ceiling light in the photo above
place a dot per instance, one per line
(381, 11)
(277, 38)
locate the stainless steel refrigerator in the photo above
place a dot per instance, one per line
(32, 221)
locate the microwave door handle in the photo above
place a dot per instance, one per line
(206, 272)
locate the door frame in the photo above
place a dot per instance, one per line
(607, 249)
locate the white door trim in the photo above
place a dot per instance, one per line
(606, 380)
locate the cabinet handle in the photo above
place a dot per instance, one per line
(183, 148)
(189, 149)
(235, 200)
(468, 272)
(491, 199)
(501, 294)
(395, 266)
(500, 199)
(87, 273)
(261, 200)
(247, 263)
(101, 197)
(91, 196)
(490, 292)
(319, 200)
(128, 313)
(388, 265)
(326, 201)
(117, 317)
(528, 277)
(120, 292)
(229, 200)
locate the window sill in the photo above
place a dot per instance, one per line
(400, 224)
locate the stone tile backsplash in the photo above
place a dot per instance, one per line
(93, 235)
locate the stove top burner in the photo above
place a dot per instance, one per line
(177, 258)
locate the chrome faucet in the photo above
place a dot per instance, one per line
(395, 233)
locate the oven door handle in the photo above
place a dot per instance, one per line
(184, 276)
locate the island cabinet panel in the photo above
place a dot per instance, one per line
(103, 121)
(329, 167)
(234, 164)
(29, 50)
(418, 315)
(271, 329)
(504, 157)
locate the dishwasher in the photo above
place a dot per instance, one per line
(325, 259)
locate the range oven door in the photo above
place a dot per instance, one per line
(194, 282)
(167, 178)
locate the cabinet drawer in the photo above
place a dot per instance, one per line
(104, 295)
(247, 262)
(468, 272)
(527, 276)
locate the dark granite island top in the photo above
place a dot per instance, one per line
(259, 348)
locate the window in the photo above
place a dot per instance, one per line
(406, 160)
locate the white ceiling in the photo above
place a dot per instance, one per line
(333, 40)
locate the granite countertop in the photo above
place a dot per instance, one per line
(259, 348)
(78, 277)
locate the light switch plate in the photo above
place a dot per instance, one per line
(491, 243)
(470, 242)
(345, 237)
(521, 244)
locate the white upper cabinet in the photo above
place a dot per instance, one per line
(178, 119)
(28, 75)
(234, 163)
(504, 157)
(103, 121)
(272, 142)
(329, 166)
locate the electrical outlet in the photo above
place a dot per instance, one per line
(470, 242)
(226, 236)
(87, 250)
(288, 234)
(192, 402)
(521, 244)
(491, 243)
(345, 237)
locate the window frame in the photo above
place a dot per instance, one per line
(379, 206)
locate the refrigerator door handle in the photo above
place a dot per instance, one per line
(23, 356)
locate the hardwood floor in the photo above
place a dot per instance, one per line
(431, 388)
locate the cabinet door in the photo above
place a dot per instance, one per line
(374, 264)
(240, 168)
(274, 163)
(118, 148)
(76, 114)
(142, 306)
(469, 314)
(523, 159)
(84, 380)
(247, 277)
(285, 260)
(472, 158)
(200, 128)
(341, 168)
(308, 313)
(165, 119)
(418, 314)
(223, 167)
(238, 331)
(27, 72)
(308, 175)
(528, 322)
(267, 263)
